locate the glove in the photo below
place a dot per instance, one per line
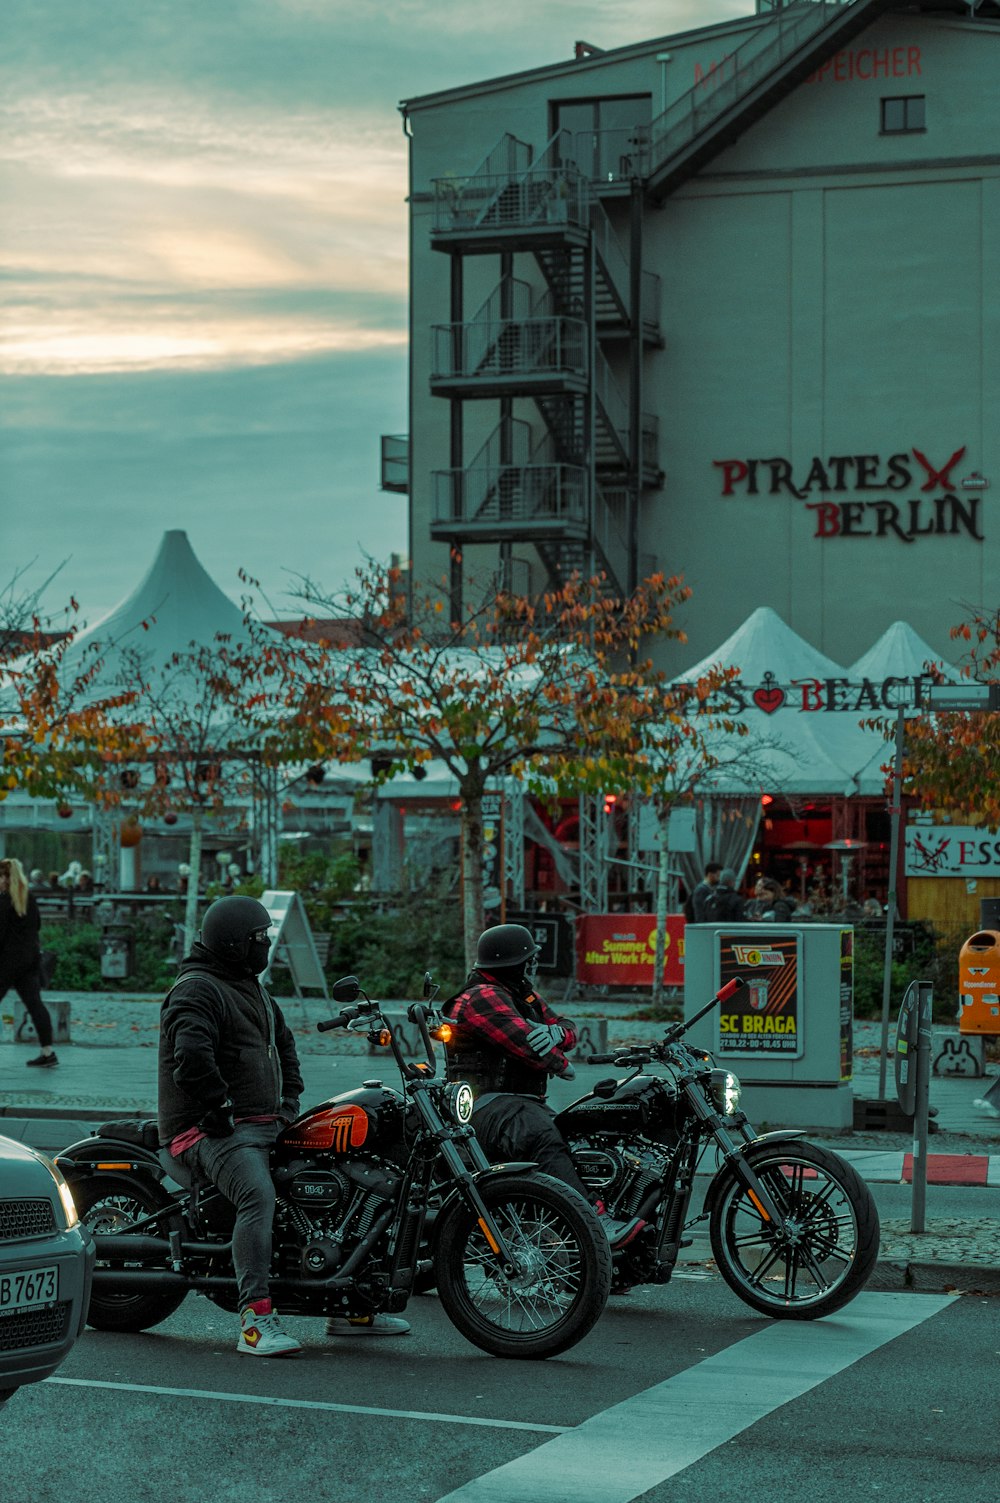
(219, 1123)
(545, 1037)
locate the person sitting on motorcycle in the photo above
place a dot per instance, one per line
(507, 1043)
(229, 1081)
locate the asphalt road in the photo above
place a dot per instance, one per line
(679, 1394)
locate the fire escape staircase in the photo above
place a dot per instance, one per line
(783, 51)
(545, 348)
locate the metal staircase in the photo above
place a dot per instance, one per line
(547, 348)
(784, 50)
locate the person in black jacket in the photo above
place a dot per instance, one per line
(229, 1080)
(724, 905)
(21, 954)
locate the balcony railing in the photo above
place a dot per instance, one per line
(395, 462)
(488, 349)
(507, 194)
(525, 499)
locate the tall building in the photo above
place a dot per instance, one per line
(725, 303)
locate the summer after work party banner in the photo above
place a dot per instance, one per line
(618, 949)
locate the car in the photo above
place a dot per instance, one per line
(46, 1267)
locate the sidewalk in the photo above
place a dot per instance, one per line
(109, 1071)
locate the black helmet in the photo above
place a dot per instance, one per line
(228, 925)
(505, 945)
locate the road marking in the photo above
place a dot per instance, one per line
(633, 1446)
(263, 1398)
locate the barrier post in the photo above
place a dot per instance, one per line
(920, 1118)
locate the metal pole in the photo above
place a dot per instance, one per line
(925, 1004)
(895, 810)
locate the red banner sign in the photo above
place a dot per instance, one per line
(618, 949)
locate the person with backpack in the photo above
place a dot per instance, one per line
(724, 905)
(694, 907)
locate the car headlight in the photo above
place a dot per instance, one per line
(65, 1193)
(725, 1090)
(459, 1101)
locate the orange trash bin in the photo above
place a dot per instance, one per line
(979, 983)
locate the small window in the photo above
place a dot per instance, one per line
(906, 113)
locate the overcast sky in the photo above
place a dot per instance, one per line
(203, 257)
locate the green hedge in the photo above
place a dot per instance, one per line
(934, 958)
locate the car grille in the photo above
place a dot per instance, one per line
(25, 1218)
(34, 1327)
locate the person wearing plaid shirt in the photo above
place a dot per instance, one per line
(507, 1044)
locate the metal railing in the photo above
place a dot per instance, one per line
(518, 495)
(723, 86)
(509, 192)
(486, 349)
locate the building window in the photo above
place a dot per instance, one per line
(604, 137)
(908, 112)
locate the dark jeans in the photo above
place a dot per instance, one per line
(240, 1166)
(519, 1127)
(27, 982)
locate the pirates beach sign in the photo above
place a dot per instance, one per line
(879, 507)
(824, 696)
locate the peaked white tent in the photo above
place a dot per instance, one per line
(900, 652)
(175, 604)
(783, 750)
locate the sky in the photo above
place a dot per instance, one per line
(203, 259)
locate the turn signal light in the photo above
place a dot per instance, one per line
(384, 1038)
(445, 1033)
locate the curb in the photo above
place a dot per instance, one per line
(892, 1276)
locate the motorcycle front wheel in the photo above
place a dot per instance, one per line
(110, 1206)
(825, 1248)
(563, 1274)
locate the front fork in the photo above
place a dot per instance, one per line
(465, 1178)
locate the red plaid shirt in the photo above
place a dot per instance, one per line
(488, 1011)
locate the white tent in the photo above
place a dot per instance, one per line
(900, 652)
(784, 749)
(175, 604)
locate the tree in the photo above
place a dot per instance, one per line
(55, 728)
(952, 760)
(552, 690)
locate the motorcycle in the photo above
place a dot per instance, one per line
(520, 1261)
(793, 1229)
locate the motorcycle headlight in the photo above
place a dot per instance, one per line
(459, 1101)
(725, 1090)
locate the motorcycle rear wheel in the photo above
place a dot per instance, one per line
(112, 1205)
(826, 1249)
(565, 1268)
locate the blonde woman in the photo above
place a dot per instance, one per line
(21, 953)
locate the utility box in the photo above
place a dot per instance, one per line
(117, 952)
(979, 983)
(790, 1035)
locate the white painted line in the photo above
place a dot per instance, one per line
(993, 1171)
(263, 1398)
(633, 1446)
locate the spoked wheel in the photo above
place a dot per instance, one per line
(824, 1250)
(109, 1206)
(563, 1274)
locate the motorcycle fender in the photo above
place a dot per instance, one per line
(768, 1139)
(111, 1156)
(479, 1176)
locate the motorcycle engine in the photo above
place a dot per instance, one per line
(622, 1174)
(324, 1209)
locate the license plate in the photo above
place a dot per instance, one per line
(21, 1291)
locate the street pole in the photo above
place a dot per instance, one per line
(925, 1008)
(896, 811)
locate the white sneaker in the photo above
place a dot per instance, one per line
(367, 1325)
(986, 1106)
(262, 1335)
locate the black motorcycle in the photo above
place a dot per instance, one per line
(521, 1264)
(794, 1230)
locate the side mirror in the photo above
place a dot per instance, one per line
(431, 987)
(347, 989)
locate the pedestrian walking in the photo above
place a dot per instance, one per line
(21, 954)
